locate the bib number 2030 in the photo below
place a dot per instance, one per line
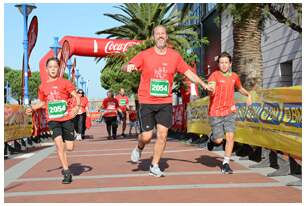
(57, 109)
(159, 88)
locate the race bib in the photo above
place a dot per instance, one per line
(57, 109)
(122, 102)
(159, 87)
(111, 106)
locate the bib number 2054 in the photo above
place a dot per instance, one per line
(159, 88)
(57, 109)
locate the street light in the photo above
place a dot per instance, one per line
(56, 46)
(77, 76)
(69, 65)
(82, 83)
(87, 85)
(7, 92)
(25, 10)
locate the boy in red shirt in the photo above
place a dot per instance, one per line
(54, 95)
(133, 120)
(222, 107)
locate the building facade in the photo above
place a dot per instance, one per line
(281, 46)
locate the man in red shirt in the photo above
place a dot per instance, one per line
(111, 108)
(123, 101)
(54, 95)
(158, 66)
(222, 107)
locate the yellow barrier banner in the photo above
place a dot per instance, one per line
(273, 121)
(16, 123)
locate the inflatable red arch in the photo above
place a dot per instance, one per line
(83, 46)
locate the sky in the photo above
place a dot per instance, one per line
(75, 19)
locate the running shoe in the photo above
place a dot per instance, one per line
(78, 137)
(136, 154)
(155, 171)
(67, 177)
(225, 169)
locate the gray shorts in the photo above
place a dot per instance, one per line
(221, 125)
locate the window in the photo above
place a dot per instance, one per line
(196, 12)
(210, 7)
(285, 73)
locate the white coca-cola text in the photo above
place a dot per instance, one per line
(112, 47)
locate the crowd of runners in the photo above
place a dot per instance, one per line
(157, 66)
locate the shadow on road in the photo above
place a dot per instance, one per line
(75, 168)
(12, 187)
(209, 161)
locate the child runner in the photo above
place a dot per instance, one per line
(133, 120)
(54, 95)
(222, 110)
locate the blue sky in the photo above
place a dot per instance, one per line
(57, 19)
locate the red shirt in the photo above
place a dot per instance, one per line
(157, 72)
(132, 116)
(110, 105)
(123, 102)
(222, 101)
(84, 104)
(57, 94)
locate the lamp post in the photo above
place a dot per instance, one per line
(7, 92)
(55, 47)
(77, 76)
(25, 10)
(82, 83)
(69, 65)
(87, 85)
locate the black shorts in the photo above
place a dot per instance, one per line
(152, 114)
(110, 120)
(64, 129)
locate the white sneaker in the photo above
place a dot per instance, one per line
(78, 137)
(155, 171)
(136, 154)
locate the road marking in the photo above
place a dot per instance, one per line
(22, 167)
(125, 153)
(23, 156)
(143, 174)
(143, 188)
(118, 149)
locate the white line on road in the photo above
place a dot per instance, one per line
(142, 174)
(126, 153)
(142, 188)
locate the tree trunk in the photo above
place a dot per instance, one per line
(247, 56)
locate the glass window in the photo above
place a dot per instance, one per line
(210, 7)
(285, 73)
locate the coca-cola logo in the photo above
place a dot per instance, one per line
(112, 47)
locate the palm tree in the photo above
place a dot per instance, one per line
(138, 21)
(247, 30)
